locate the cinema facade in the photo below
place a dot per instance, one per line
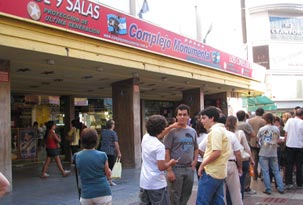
(64, 60)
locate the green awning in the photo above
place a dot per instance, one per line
(253, 103)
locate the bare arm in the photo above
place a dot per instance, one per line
(167, 129)
(247, 148)
(117, 147)
(196, 153)
(163, 165)
(285, 137)
(107, 170)
(170, 174)
(4, 184)
(239, 161)
(55, 136)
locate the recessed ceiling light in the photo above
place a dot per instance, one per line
(50, 61)
(135, 75)
(164, 78)
(24, 70)
(99, 69)
(87, 77)
(48, 72)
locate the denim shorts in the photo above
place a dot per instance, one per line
(53, 152)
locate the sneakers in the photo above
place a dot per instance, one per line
(250, 191)
(267, 192)
(44, 176)
(112, 184)
(289, 187)
(281, 192)
(66, 173)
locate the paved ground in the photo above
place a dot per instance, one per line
(29, 189)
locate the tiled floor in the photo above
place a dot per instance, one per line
(29, 189)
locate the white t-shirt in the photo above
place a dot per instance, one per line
(235, 144)
(201, 137)
(151, 178)
(294, 129)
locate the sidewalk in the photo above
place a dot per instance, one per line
(29, 189)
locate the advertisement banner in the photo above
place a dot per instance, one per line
(285, 28)
(95, 20)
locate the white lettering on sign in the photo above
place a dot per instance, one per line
(84, 8)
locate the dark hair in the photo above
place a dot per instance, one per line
(194, 121)
(279, 120)
(211, 112)
(259, 111)
(231, 123)
(299, 112)
(35, 124)
(241, 115)
(182, 107)
(222, 118)
(269, 117)
(74, 123)
(89, 138)
(109, 124)
(155, 125)
(48, 126)
(200, 128)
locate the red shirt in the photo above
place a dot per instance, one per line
(51, 141)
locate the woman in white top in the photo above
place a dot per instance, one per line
(202, 134)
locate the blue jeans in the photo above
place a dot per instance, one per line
(265, 162)
(210, 190)
(245, 168)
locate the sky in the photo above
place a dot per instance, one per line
(180, 16)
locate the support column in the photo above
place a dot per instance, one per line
(126, 114)
(69, 115)
(194, 98)
(5, 121)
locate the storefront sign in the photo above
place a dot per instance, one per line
(285, 28)
(95, 20)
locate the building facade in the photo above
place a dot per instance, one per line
(67, 51)
(275, 41)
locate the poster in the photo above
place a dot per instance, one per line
(27, 143)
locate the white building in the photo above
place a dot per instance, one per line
(275, 40)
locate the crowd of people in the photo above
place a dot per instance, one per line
(220, 149)
(215, 148)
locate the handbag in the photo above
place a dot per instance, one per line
(117, 169)
(244, 155)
